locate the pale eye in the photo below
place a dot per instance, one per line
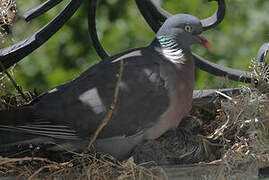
(188, 28)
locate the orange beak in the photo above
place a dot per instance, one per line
(204, 42)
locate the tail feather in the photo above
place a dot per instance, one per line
(15, 117)
(10, 138)
(19, 125)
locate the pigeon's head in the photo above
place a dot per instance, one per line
(184, 29)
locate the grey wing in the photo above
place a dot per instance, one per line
(143, 98)
(75, 109)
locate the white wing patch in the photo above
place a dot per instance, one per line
(53, 90)
(92, 99)
(124, 86)
(152, 76)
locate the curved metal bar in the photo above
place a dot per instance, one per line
(264, 49)
(13, 54)
(154, 15)
(33, 13)
(92, 30)
(216, 18)
(218, 70)
(153, 20)
(206, 96)
(148, 14)
(160, 13)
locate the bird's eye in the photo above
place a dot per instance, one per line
(188, 28)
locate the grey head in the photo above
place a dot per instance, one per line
(182, 29)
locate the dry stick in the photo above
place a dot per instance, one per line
(41, 169)
(112, 107)
(14, 160)
(6, 104)
(13, 82)
(5, 161)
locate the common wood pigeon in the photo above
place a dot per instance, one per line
(155, 93)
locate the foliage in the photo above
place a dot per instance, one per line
(121, 27)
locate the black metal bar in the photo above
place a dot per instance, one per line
(92, 30)
(13, 54)
(218, 70)
(148, 10)
(41, 9)
(216, 18)
(205, 96)
(264, 49)
(154, 15)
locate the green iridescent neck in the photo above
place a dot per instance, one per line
(167, 42)
(170, 49)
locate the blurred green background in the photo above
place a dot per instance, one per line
(121, 27)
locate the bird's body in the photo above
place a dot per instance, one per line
(155, 93)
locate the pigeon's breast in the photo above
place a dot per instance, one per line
(180, 83)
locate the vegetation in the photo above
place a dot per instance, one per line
(120, 26)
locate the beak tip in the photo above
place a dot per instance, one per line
(207, 45)
(204, 42)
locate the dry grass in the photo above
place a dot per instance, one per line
(81, 167)
(8, 98)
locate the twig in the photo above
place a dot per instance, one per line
(112, 107)
(224, 95)
(6, 104)
(263, 161)
(13, 160)
(41, 169)
(13, 82)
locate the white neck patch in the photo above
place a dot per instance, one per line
(174, 55)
